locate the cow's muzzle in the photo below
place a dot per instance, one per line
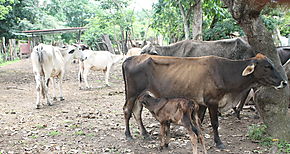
(283, 84)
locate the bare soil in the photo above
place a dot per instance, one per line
(92, 121)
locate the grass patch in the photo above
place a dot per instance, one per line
(40, 126)
(90, 135)
(2, 63)
(54, 133)
(258, 133)
(74, 126)
(34, 136)
(80, 132)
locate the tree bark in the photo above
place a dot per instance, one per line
(185, 18)
(272, 104)
(108, 42)
(197, 21)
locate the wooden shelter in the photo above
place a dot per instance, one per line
(36, 36)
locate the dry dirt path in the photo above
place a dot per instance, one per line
(92, 121)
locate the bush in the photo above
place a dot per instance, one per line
(258, 133)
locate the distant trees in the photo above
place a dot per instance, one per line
(171, 21)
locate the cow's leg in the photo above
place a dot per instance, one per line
(46, 90)
(38, 90)
(54, 87)
(127, 109)
(81, 71)
(60, 88)
(137, 111)
(107, 74)
(163, 137)
(192, 131)
(201, 112)
(242, 103)
(197, 122)
(167, 134)
(86, 73)
(213, 112)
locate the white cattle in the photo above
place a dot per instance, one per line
(133, 52)
(97, 61)
(49, 62)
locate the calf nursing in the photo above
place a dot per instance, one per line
(179, 111)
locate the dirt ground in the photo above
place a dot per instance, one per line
(91, 121)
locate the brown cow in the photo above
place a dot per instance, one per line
(204, 79)
(180, 111)
(236, 48)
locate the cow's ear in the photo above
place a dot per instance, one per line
(249, 69)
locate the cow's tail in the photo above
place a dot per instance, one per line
(125, 80)
(81, 70)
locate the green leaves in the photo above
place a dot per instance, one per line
(5, 8)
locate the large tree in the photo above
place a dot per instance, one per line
(272, 104)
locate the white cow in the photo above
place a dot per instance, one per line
(97, 61)
(49, 62)
(133, 52)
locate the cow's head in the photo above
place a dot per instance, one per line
(147, 98)
(262, 68)
(149, 49)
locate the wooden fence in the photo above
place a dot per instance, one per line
(9, 49)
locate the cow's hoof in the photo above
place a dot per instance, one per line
(54, 99)
(88, 88)
(107, 85)
(49, 104)
(61, 99)
(37, 106)
(221, 146)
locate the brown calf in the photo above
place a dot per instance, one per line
(176, 110)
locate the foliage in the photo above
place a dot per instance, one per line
(5, 7)
(217, 21)
(222, 29)
(167, 20)
(258, 133)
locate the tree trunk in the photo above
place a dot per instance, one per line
(272, 104)
(197, 21)
(108, 42)
(185, 21)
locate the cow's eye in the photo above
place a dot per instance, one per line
(269, 67)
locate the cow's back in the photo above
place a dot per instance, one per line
(228, 48)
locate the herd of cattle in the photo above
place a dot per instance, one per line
(176, 83)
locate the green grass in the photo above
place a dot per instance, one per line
(2, 63)
(74, 126)
(54, 133)
(258, 133)
(40, 126)
(34, 136)
(80, 132)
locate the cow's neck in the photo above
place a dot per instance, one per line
(232, 76)
(166, 50)
(67, 58)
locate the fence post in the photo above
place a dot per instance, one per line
(3, 49)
